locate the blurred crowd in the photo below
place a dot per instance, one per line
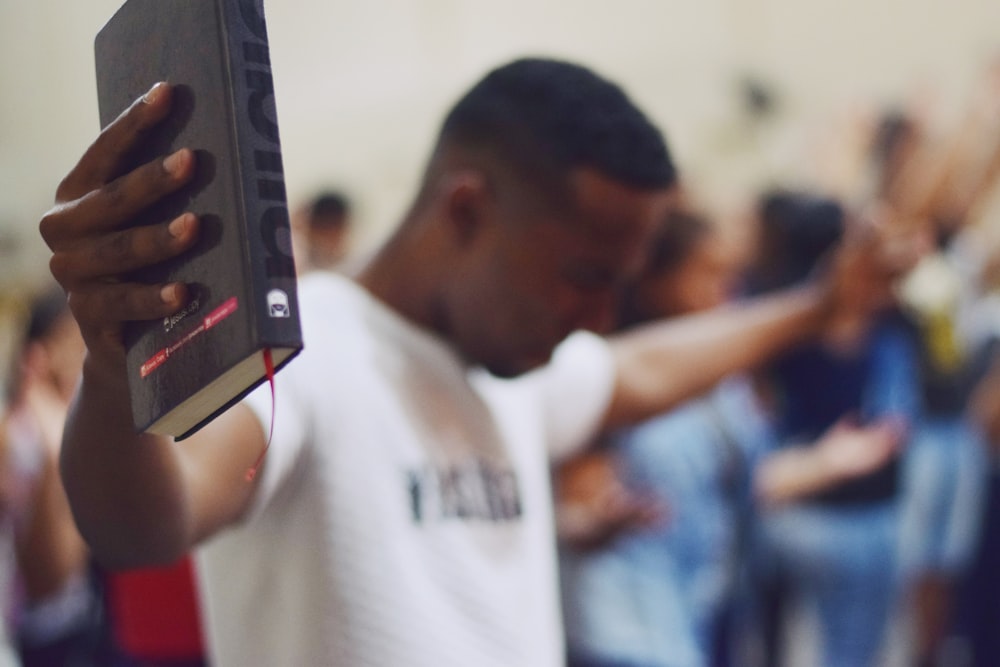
(836, 506)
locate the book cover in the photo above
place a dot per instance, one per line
(187, 368)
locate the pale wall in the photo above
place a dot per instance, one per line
(361, 85)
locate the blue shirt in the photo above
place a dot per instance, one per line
(651, 596)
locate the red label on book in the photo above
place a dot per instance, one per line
(213, 318)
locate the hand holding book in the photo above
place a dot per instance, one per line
(94, 248)
(166, 235)
(171, 235)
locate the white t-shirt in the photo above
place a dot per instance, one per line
(404, 513)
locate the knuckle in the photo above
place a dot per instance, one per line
(108, 303)
(80, 304)
(115, 250)
(74, 300)
(114, 194)
(134, 302)
(48, 227)
(66, 188)
(59, 267)
(118, 298)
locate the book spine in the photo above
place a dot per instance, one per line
(268, 232)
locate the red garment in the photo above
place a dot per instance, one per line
(154, 612)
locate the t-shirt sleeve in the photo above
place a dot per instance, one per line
(288, 436)
(576, 390)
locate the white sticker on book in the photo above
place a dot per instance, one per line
(277, 304)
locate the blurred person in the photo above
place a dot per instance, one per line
(651, 523)
(834, 553)
(403, 514)
(56, 607)
(977, 613)
(946, 468)
(321, 231)
(72, 613)
(941, 177)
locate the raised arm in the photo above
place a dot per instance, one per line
(664, 363)
(844, 452)
(137, 499)
(949, 177)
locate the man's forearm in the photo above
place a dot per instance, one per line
(125, 488)
(665, 363)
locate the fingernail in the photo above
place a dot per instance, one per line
(168, 293)
(179, 225)
(174, 161)
(153, 93)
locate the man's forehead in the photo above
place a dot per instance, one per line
(610, 210)
(606, 227)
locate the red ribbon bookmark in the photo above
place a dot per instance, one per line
(269, 369)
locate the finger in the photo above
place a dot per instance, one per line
(886, 449)
(896, 428)
(123, 251)
(850, 420)
(864, 226)
(109, 303)
(902, 254)
(111, 205)
(103, 160)
(651, 512)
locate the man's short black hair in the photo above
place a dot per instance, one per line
(545, 117)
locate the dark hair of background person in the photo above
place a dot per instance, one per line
(328, 209)
(797, 230)
(45, 310)
(816, 385)
(893, 130)
(544, 117)
(673, 242)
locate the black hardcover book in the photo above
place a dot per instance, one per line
(186, 369)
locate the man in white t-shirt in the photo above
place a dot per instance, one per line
(403, 513)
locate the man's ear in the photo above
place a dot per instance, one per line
(467, 204)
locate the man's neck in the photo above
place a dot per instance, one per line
(404, 276)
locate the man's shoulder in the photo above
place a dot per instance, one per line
(335, 327)
(323, 286)
(332, 304)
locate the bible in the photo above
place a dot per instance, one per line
(241, 324)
